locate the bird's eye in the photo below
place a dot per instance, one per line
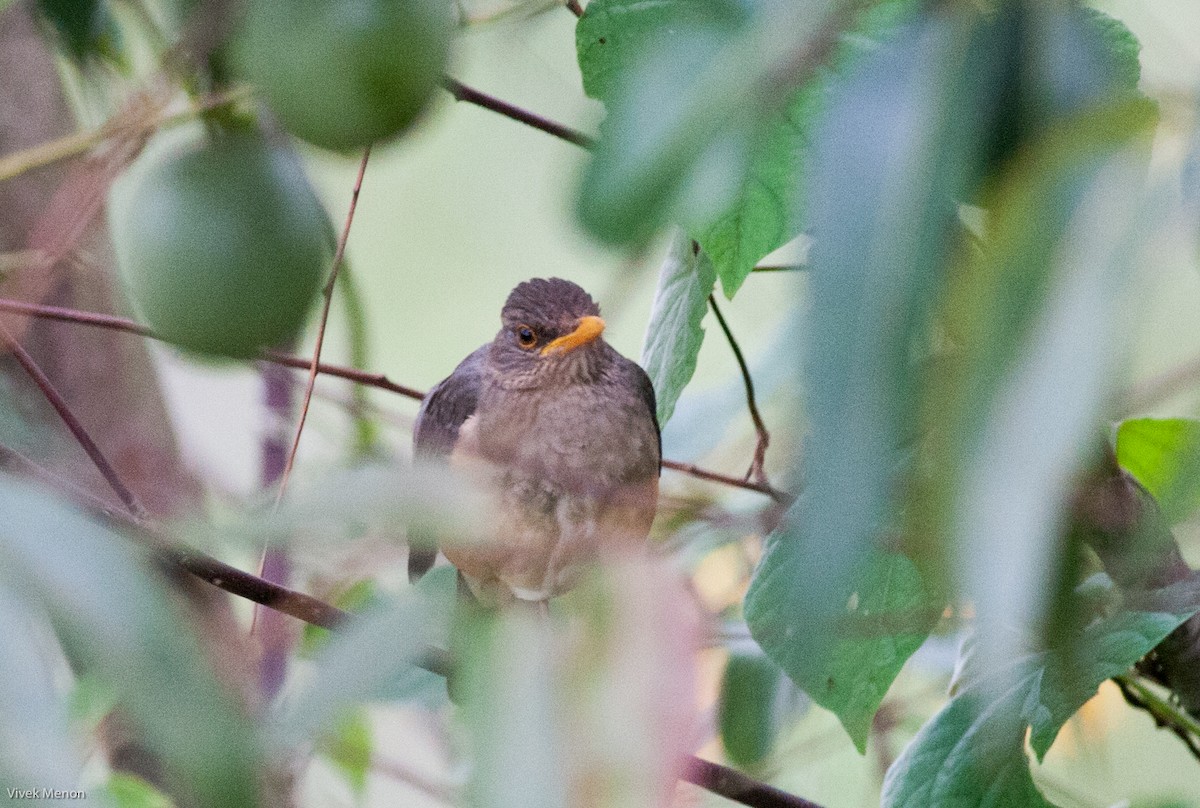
(526, 337)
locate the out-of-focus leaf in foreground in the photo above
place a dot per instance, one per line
(971, 754)
(1163, 454)
(30, 709)
(900, 142)
(1038, 305)
(594, 706)
(376, 657)
(116, 623)
(674, 334)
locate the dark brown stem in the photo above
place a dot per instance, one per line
(376, 380)
(734, 785)
(68, 417)
(782, 497)
(779, 268)
(315, 365)
(574, 7)
(462, 92)
(756, 471)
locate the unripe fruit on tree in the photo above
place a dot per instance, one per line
(223, 244)
(344, 73)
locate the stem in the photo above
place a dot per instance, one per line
(756, 470)
(81, 435)
(327, 293)
(734, 785)
(462, 92)
(366, 431)
(1164, 713)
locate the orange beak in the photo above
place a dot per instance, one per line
(587, 330)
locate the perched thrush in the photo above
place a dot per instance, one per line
(562, 431)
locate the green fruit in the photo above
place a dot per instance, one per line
(223, 245)
(344, 73)
(749, 706)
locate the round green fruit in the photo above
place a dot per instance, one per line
(223, 245)
(345, 73)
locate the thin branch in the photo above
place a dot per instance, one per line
(756, 471)
(782, 497)
(68, 417)
(779, 268)
(734, 785)
(378, 381)
(112, 322)
(327, 292)
(462, 92)
(1164, 713)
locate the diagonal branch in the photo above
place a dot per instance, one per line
(462, 92)
(756, 471)
(69, 418)
(327, 293)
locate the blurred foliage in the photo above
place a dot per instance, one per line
(977, 182)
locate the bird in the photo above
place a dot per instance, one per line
(561, 432)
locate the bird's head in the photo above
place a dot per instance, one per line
(551, 331)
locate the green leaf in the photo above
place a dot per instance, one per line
(593, 704)
(511, 703)
(130, 791)
(751, 705)
(886, 621)
(674, 335)
(349, 748)
(86, 28)
(106, 603)
(1163, 454)
(1034, 307)
(30, 708)
(763, 216)
(971, 754)
(896, 147)
(375, 658)
(735, 192)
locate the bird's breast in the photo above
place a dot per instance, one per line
(577, 438)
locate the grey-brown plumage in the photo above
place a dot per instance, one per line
(561, 431)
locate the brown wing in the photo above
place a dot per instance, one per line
(450, 403)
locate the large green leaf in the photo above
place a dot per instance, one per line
(734, 187)
(971, 754)
(898, 144)
(674, 335)
(886, 621)
(108, 607)
(1164, 455)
